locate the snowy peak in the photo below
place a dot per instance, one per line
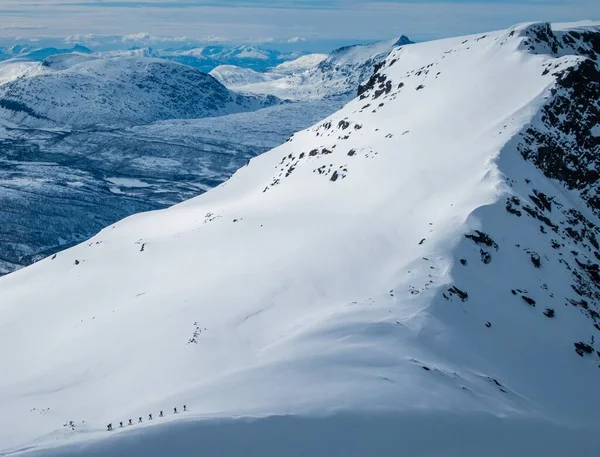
(403, 40)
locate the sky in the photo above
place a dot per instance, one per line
(312, 25)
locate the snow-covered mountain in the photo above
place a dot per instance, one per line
(232, 76)
(416, 274)
(235, 77)
(303, 63)
(79, 90)
(313, 77)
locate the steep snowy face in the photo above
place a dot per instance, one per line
(77, 90)
(336, 76)
(429, 249)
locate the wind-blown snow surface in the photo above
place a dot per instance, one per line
(393, 262)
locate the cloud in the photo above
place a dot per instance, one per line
(296, 39)
(136, 37)
(145, 37)
(84, 38)
(78, 37)
(252, 20)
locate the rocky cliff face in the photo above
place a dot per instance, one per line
(563, 142)
(551, 219)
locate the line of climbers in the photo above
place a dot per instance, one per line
(110, 427)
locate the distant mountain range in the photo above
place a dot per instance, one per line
(203, 58)
(29, 53)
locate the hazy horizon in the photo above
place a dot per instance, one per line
(307, 25)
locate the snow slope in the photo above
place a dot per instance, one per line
(11, 70)
(394, 265)
(82, 91)
(56, 188)
(316, 77)
(64, 129)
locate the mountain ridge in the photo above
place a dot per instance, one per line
(203, 58)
